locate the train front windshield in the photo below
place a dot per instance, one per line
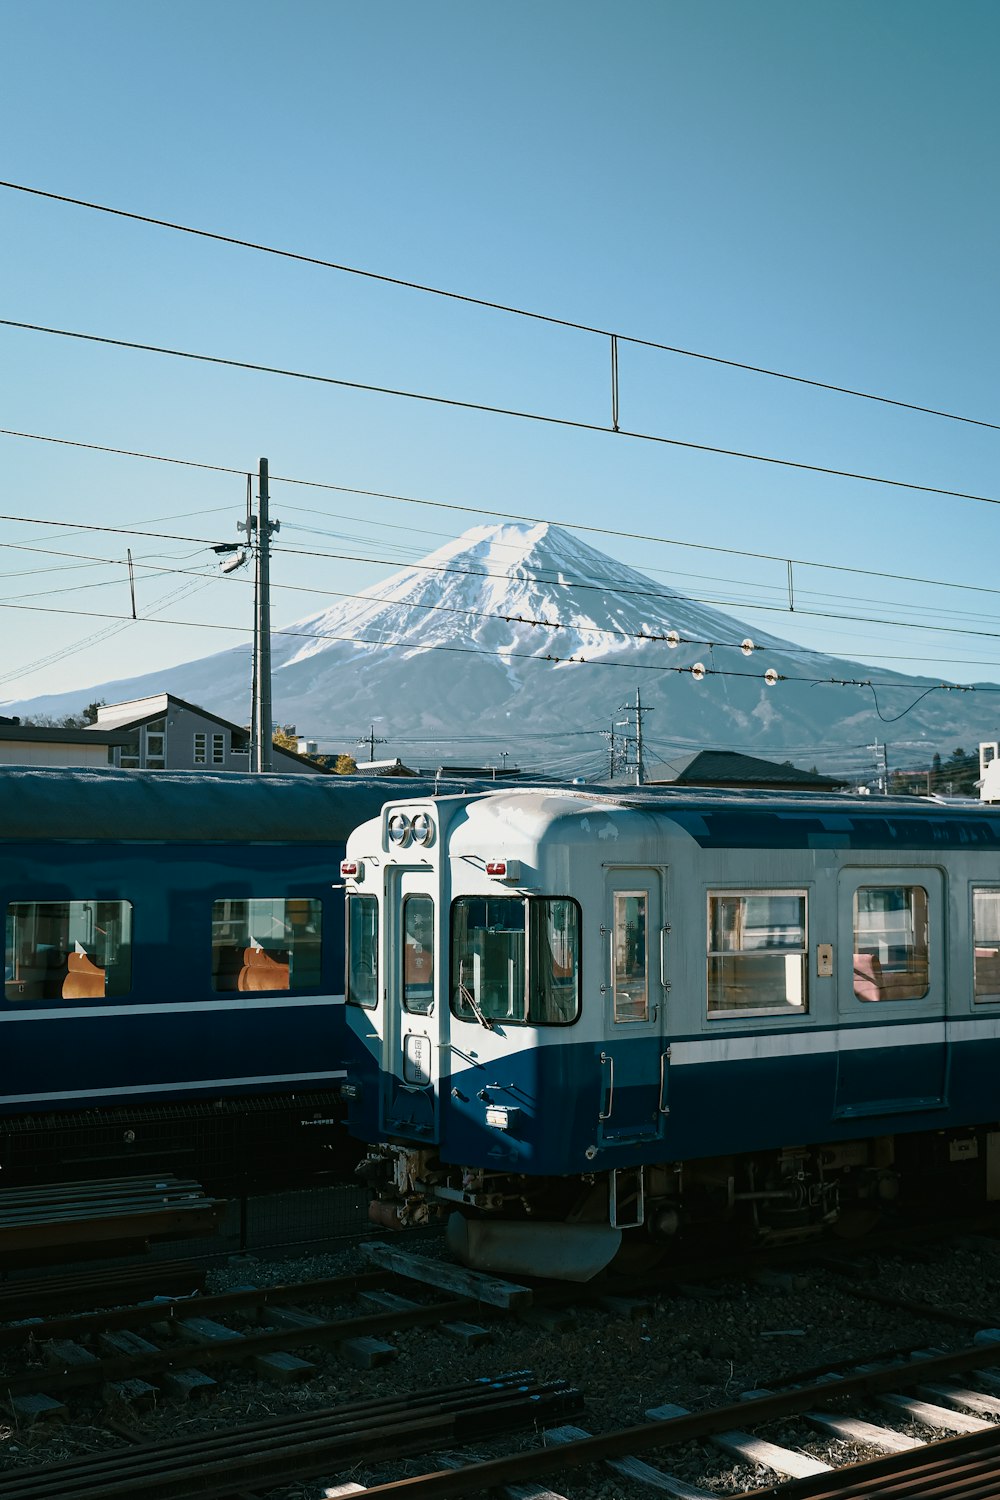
(515, 959)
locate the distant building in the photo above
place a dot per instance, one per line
(471, 773)
(727, 768)
(383, 768)
(26, 745)
(163, 733)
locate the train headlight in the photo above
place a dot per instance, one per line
(399, 829)
(422, 829)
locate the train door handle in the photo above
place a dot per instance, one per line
(607, 1058)
(664, 1109)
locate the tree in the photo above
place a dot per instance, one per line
(345, 765)
(285, 737)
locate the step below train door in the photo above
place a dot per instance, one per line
(410, 1077)
(634, 1056)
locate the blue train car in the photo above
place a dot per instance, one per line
(173, 965)
(589, 1017)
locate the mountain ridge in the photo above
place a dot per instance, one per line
(525, 627)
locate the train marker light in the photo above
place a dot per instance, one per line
(399, 829)
(422, 829)
(352, 869)
(504, 869)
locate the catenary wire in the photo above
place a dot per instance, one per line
(454, 402)
(496, 306)
(479, 510)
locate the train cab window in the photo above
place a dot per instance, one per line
(757, 948)
(418, 954)
(488, 958)
(265, 944)
(515, 959)
(362, 951)
(630, 966)
(67, 950)
(890, 942)
(986, 944)
(554, 963)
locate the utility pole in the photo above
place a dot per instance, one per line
(259, 530)
(609, 735)
(881, 754)
(638, 710)
(371, 739)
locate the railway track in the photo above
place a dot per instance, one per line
(931, 1391)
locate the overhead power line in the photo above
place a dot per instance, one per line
(697, 670)
(549, 419)
(479, 510)
(497, 306)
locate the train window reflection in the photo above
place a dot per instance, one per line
(362, 951)
(487, 958)
(890, 942)
(265, 944)
(986, 943)
(515, 960)
(757, 951)
(630, 966)
(69, 950)
(418, 954)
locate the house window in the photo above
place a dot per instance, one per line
(70, 950)
(128, 758)
(218, 749)
(200, 749)
(757, 950)
(156, 739)
(890, 942)
(266, 944)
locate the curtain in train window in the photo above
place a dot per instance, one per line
(757, 953)
(986, 943)
(262, 944)
(362, 951)
(69, 950)
(890, 942)
(418, 954)
(630, 957)
(554, 968)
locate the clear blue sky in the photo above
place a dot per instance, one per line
(811, 187)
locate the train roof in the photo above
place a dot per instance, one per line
(44, 802)
(752, 818)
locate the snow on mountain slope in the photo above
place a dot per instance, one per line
(524, 634)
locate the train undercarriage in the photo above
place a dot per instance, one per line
(573, 1227)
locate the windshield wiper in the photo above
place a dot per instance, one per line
(473, 1005)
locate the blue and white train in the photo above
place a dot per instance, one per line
(583, 1020)
(173, 967)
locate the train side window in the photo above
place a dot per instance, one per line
(362, 951)
(418, 954)
(630, 957)
(264, 944)
(757, 949)
(67, 950)
(890, 942)
(986, 944)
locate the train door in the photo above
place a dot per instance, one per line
(410, 1077)
(634, 1056)
(892, 1056)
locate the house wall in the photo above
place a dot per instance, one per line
(185, 740)
(26, 753)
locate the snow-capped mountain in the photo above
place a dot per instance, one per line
(526, 636)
